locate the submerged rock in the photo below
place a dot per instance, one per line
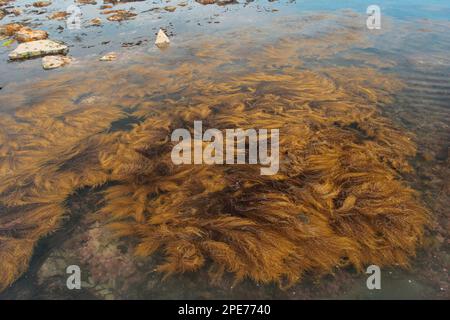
(162, 40)
(59, 15)
(52, 62)
(95, 22)
(37, 48)
(119, 15)
(27, 34)
(86, 1)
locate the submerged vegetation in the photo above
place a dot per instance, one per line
(338, 199)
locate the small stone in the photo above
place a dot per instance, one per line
(86, 1)
(96, 22)
(27, 34)
(59, 15)
(37, 48)
(162, 40)
(206, 1)
(40, 4)
(109, 57)
(52, 62)
(119, 15)
(170, 8)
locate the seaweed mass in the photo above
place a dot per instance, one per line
(338, 199)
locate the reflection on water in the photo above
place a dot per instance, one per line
(87, 177)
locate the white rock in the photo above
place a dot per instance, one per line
(52, 62)
(161, 39)
(37, 49)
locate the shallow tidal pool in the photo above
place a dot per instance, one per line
(87, 180)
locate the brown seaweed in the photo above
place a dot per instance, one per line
(338, 199)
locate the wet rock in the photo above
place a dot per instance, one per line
(119, 15)
(59, 15)
(54, 266)
(95, 22)
(10, 29)
(105, 6)
(40, 4)
(170, 8)
(53, 62)
(109, 57)
(37, 48)
(27, 34)
(109, 267)
(206, 1)
(162, 40)
(2, 14)
(86, 1)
